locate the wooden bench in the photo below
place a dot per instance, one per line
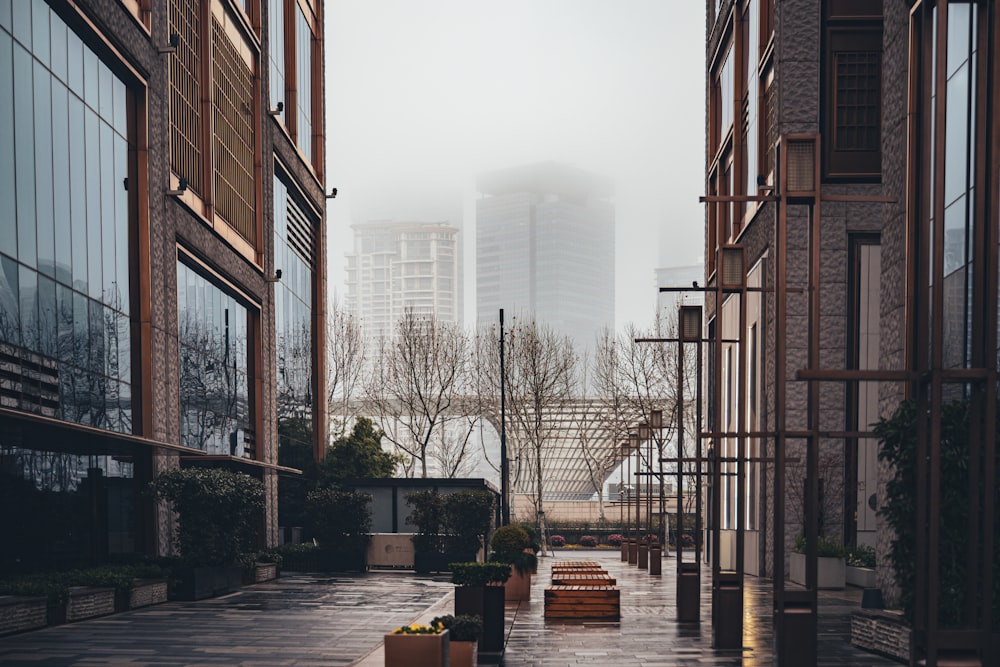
(583, 579)
(590, 602)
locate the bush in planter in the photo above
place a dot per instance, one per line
(299, 557)
(218, 512)
(462, 628)
(588, 541)
(861, 556)
(479, 574)
(427, 516)
(898, 447)
(512, 544)
(341, 522)
(468, 517)
(557, 541)
(826, 547)
(615, 539)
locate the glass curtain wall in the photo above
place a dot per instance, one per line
(64, 290)
(64, 228)
(213, 331)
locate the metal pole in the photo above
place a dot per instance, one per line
(504, 465)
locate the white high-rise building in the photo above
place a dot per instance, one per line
(400, 266)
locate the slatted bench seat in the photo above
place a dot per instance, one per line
(590, 602)
(583, 579)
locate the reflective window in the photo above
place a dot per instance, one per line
(213, 331)
(64, 264)
(303, 64)
(65, 489)
(294, 254)
(276, 32)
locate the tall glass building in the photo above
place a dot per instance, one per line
(161, 280)
(545, 248)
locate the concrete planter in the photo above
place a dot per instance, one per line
(830, 572)
(20, 613)
(862, 577)
(417, 650)
(146, 592)
(518, 587)
(881, 631)
(463, 654)
(87, 602)
(264, 572)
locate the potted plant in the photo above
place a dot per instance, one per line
(417, 645)
(511, 544)
(464, 632)
(468, 518)
(830, 572)
(427, 516)
(860, 566)
(341, 522)
(480, 593)
(210, 542)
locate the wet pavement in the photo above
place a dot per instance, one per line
(311, 620)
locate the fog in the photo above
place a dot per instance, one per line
(421, 95)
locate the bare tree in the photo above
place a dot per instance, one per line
(345, 364)
(540, 380)
(417, 383)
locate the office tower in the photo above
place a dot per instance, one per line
(851, 228)
(161, 259)
(402, 266)
(545, 248)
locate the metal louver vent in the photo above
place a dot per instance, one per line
(301, 235)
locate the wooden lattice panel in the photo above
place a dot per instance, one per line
(185, 92)
(232, 97)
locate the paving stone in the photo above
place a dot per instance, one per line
(309, 620)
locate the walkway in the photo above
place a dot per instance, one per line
(307, 620)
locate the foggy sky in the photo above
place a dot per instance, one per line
(422, 95)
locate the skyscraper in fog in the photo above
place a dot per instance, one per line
(399, 266)
(545, 247)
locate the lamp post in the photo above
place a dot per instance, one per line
(504, 465)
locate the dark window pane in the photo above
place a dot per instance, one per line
(47, 317)
(28, 302)
(91, 77)
(22, 21)
(24, 152)
(78, 191)
(43, 171)
(108, 208)
(93, 176)
(81, 331)
(10, 321)
(61, 183)
(8, 208)
(64, 325)
(40, 30)
(58, 43)
(74, 56)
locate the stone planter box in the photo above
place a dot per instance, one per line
(881, 631)
(20, 613)
(87, 602)
(463, 654)
(417, 650)
(830, 572)
(518, 587)
(862, 577)
(265, 572)
(198, 583)
(147, 592)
